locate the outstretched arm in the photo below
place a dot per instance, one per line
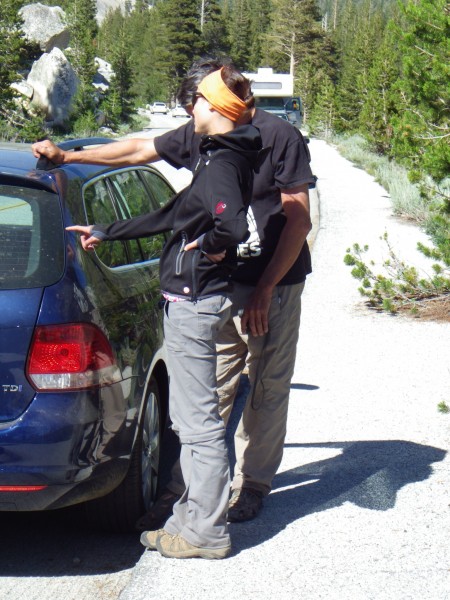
(135, 151)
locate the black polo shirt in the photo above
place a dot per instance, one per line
(286, 167)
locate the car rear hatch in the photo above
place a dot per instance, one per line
(31, 258)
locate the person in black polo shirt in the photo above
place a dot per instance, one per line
(262, 331)
(207, 221)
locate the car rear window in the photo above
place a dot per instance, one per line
(31, 237)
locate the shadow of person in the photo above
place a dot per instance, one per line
(366, 473)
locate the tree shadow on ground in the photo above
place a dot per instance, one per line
(366, 473)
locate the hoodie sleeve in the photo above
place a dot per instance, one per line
(228, 195)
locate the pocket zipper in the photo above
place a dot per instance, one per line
(180, 255)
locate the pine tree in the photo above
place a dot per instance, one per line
(422, 132)
(16, 122)
(12, 42)
(149, 61)
(297, 43)
(81, 18)
(122, 80)
(213, 28)
(240, 34)
(184, 42)
(109, 31)
(379, 107)
(260, 11)
(358, 37)
(323, 115)
(111, 105)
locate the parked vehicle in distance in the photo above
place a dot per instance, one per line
(83, 378)
(158, 107)
(179, 111)
(274, 93)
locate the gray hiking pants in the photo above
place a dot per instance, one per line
(259, 439)
(191, 331)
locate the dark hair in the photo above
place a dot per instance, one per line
(233, 78)
(238, 84)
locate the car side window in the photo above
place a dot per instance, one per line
(134, 200)
(100, 209)
(123, 184)
(159, 189)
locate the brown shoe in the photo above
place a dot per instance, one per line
(158, 513)
(150, 538)
(244, 505)
(175, 546)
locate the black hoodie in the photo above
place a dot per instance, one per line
(212, 210)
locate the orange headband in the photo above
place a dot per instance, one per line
(221, 98)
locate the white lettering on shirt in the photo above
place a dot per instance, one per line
(252, 247)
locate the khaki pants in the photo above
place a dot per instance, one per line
(270, 359)
(259, 439)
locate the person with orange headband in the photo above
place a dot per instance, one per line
(273, 264)
(263, 329)
(208, 220)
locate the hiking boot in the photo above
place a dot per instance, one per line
(149, 538)
(244, 505)
(174, 546)
(158, 513)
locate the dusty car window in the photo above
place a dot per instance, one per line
(161, 192)
(134, 200)
(100, 210)
(31, 238)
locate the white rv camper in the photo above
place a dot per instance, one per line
(274, 92)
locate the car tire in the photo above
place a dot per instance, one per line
(119, 510)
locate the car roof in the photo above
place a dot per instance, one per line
(18, 160)
(11, 163)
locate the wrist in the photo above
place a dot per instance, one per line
(61, 157)
(263, 288)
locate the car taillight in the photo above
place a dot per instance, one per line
(22, 488)
(71, 356)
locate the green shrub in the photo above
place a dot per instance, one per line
(443, 407)
(85, 125)
(400, 287)
(22, 127)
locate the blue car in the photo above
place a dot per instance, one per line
(83, 377)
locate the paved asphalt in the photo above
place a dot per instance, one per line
(360, 505)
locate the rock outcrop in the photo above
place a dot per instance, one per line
(102, 78)
(54, 83)
(45, 25)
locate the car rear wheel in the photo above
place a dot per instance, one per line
(150, 446)
(120, 509)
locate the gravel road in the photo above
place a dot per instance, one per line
(360, 506)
